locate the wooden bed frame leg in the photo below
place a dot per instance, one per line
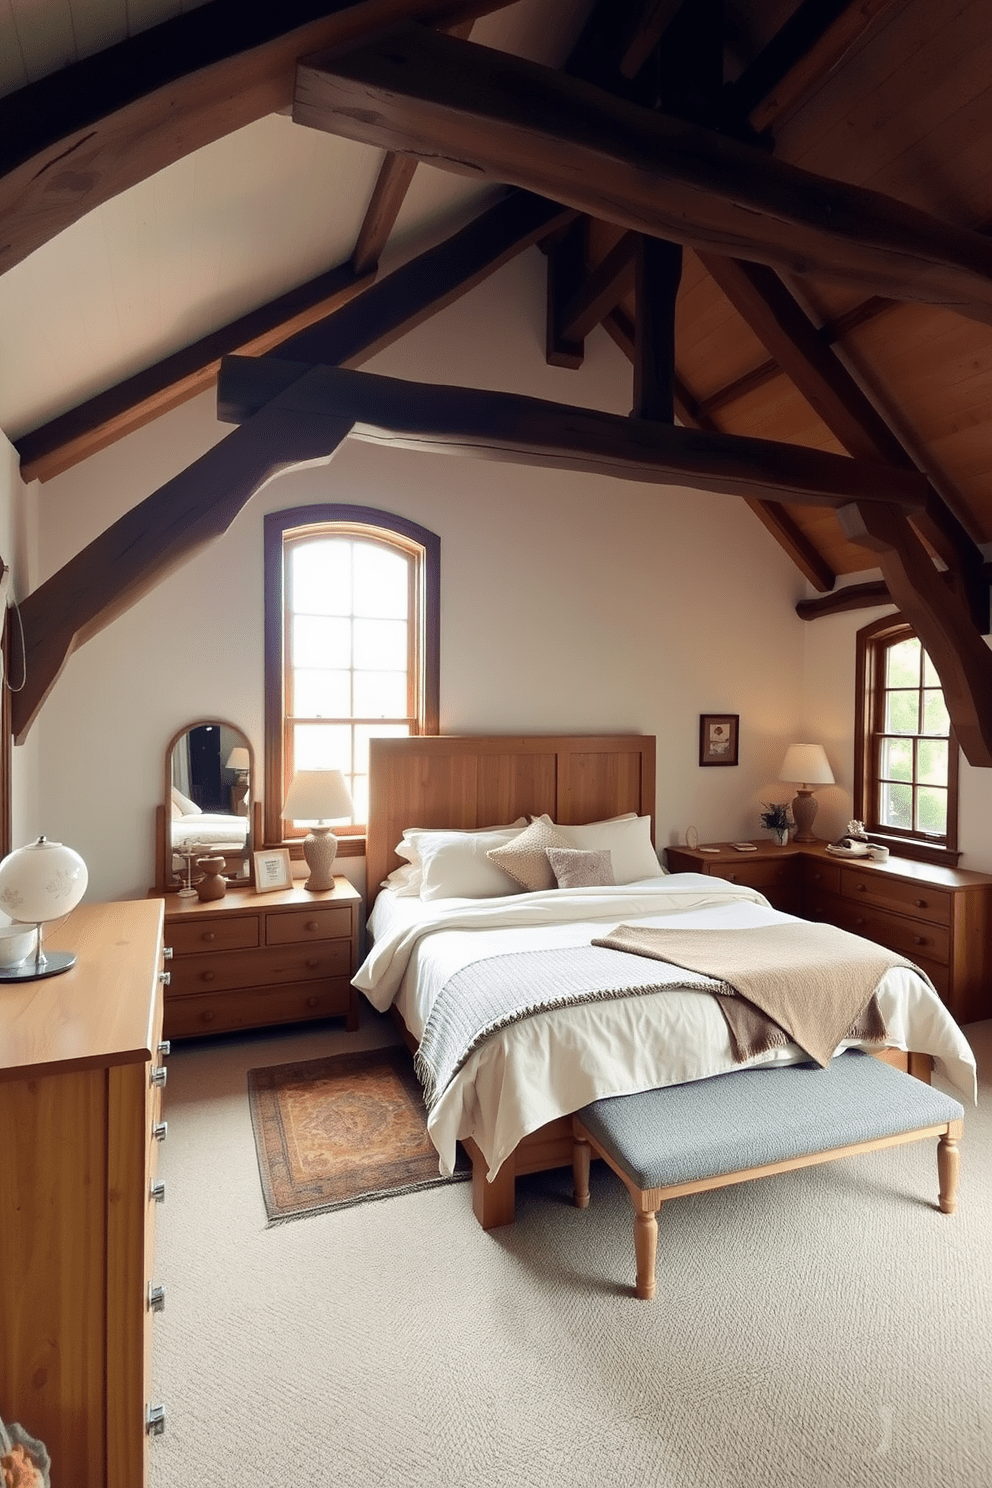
(949, 1167)
(646, 1251)
(493, 1203)
(581, 1160)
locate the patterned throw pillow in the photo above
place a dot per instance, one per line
(578, 868)
(525, 858)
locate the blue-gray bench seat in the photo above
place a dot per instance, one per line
(752, 1122)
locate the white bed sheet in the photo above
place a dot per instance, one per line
(210, 827)
(553, 1063)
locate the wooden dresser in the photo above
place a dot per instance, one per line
(940, 918)
(80, 1092)
(249, 959)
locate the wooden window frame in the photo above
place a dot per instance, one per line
(872, 641)
(362, 521)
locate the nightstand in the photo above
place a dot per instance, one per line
(774, 871)
(250, 960)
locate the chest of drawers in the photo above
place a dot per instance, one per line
(80, 1091)
(250, 960)
(939, 918)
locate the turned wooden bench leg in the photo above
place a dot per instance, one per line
(949, 1167)
(645, 1248)
(581, 1159)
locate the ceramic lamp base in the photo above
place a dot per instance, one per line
(319, 851)
(804, 814)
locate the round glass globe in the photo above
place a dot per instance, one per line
(42, 881)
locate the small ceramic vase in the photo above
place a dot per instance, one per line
(211, 885)
(782, 836)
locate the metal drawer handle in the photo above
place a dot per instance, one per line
(165, 1048)
(156, 1298)
(158, 1074)
(167, 953)
(155, 1419)
(165, 977)
(160, 1131)
(157, 1191)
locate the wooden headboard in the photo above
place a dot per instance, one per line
(479, 781)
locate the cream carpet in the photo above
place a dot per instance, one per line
(826, 1328)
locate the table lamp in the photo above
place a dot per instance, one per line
(239, 760)
(805, 765)
(40, 882)
(318, 796)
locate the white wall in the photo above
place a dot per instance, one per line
(569, 602)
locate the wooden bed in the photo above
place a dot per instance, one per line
(464, 782)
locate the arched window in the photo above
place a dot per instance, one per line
(352, 647)
(906, 772)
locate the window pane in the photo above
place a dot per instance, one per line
(897, 806)
(381, 582)
(320, 642)
(380, 695)
(366, 731)
(902, 712)
(930, 678)
(321, 694)
(322, 746)
(935, 717)
(902, 664)
(931, 761)
(360, 796)
(380, 645)
(321, 577)
(931, 807)
(897, 759)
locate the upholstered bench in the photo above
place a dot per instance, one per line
(753, 1122)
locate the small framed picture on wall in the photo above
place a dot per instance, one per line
(718, 736)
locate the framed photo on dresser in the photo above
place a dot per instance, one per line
(718, 738)
(273, 869)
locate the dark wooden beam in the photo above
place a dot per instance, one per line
(108, 416)
(157, 536)
(773, 516)
(960, 655)
(386, 311)
(644, 35)
(530, 431)
(851, 597)
(442, 100)
(781, 56)
(604, 288)
(85, 133)
(566, 274)
(658, 273)
(388, 194)
(748, 382)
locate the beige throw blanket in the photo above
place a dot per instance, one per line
(815, 982)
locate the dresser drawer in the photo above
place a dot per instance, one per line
(922, 901)
(821, 878)
(307, 924)
(228, 933)
(761, 875)
(911, 938)
(225, 1012)
(269, 965)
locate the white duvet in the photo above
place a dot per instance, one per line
(553, 1063)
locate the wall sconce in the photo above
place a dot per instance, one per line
(805, 765)
(318, 796)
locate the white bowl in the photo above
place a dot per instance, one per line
(17, 943)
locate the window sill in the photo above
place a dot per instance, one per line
(348, 847)
(919, 852)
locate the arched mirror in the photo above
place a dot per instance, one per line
(209, 797)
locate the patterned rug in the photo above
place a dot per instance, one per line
(340, 1130)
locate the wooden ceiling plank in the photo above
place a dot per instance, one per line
(741, 386)
(957, 650)
(81, 135)
(157, 536)
(442, 100)
(508, 426)
(603, 289)
(388, 195)
(398, 302)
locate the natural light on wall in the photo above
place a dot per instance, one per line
(348, 671)
(914, 744)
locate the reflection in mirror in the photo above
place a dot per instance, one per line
(209, 771)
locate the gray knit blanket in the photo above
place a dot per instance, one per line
(492, 994)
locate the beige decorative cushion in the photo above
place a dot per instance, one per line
(525, 858)
(578, 868)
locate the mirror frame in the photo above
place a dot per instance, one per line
(167, 882)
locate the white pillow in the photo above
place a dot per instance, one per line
(414, 839)
(186, 806)
(454, 865)
(627, 840)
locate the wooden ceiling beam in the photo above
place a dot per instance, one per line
(604, 288)
(388, 309)
(566, 274)
(80, 136)
(388, 195)
(157, 536)
(645, 34)
(531, 431)
(658, 273)
(444, 100)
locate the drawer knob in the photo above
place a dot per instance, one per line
(157, 1191)
(862, 888)
(732, 877)
(155, 1419)
(860, 920)
(919, 940)
(313, 1002)
(313, 924)
(207, 1017)
(208, 936)
(921, 903)
(156, 1298)
(207, 976)
(158, 1074)
(160, 1131)
(312, 962)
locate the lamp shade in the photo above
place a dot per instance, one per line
(806, 764)
(317, 795)
(239, 759)
(42, 881)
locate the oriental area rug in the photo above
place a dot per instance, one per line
(341, 1130)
